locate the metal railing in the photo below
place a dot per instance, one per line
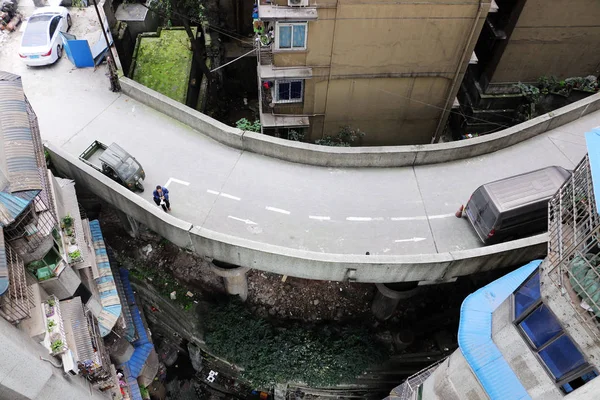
(573, 245)
(412, 383)
(16, 304)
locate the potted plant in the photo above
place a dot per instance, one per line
(67, 221)
(56, 346)
(75, 255)
(51, 325)
(69, 231)
(50, 303)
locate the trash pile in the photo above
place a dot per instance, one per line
(9, 17)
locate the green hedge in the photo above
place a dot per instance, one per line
(318, 356)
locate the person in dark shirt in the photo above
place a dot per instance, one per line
(161, 198)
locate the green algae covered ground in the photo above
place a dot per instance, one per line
(164, 63)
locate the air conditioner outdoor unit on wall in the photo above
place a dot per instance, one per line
(297, 3)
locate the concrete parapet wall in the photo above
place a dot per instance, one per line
(169, 227)
(295, 262)
(385, 156)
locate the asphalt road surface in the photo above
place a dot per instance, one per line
(348, 211)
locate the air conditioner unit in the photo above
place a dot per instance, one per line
(297, 3)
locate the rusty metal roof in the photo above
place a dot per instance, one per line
(18, 150)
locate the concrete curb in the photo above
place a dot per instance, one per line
(295, 262)
(385, 156)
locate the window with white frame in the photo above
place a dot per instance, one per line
(289, 91)
(291, 36)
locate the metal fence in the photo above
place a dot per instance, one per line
(16, 304)
(411, 385)
(573, 248)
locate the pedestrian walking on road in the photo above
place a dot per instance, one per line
(161, 198)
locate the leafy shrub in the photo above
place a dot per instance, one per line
(51, 325)
(74, 255)
(67, 221)
(344, 137)
(295, 353)
(246, 125)
(56, 346)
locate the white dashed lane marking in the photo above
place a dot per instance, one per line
(227, 196)
(277, 210)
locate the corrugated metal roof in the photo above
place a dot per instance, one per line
(19, 150)
(109, 298)
(7, 76)
(3, 265)
(592, 140)
(74, 318)
(132, 384)
(11, 207)
(142, 346)
(475, 336)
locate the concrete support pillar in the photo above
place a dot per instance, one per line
(234, 277)
(388, 297)
(131, 225)
(121, 351)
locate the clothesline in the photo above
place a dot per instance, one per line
(232, 61)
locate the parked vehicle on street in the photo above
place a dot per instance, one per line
(115, 163)
(514, 207)
(41, 43)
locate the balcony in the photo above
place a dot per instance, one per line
(573, 245)
(29, 234)
(85, 344)
(16, 303)
(271, 11)
(56, 339)
(274, 115)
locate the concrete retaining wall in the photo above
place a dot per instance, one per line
(294, 262)
(388, 156)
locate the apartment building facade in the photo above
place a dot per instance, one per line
(59, 294)
(391, 69)
(524, 41)
(534, 333)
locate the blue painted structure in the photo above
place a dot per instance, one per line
(142, 346)
(475, 336)
(11, 207)
(129, 329)
(592, 140)
(109, 297)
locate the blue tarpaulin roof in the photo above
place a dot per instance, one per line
(475, 336)
(592, 140)
(142, 346)
(132, 384)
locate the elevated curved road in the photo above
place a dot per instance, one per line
(387, 211)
